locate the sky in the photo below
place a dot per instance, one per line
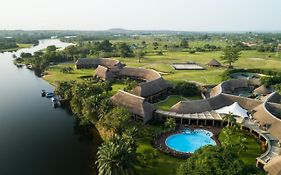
(180, 15)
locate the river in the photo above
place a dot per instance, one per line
(36, 139)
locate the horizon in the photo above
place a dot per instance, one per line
(179, 15)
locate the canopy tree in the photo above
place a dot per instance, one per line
(230, 55)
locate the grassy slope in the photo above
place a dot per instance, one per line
(254, 150)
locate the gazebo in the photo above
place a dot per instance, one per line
(214, 63)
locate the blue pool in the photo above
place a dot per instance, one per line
(190, 141)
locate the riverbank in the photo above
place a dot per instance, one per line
(35, 138)
(20, 46)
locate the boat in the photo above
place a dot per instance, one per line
(43, 93)
(29, 66)
(19, 65)
(50, 94)
(56, 102)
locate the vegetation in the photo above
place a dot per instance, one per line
(186, 89)
(244, 144)
(128, 149)
(215, 160)
(230, 55)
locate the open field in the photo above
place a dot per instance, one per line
(163, 63)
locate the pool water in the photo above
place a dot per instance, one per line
(189, 142)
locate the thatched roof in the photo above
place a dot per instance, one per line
(145, 74)
(104, 73)
(135, 104)
(273, 167)
(106, 62)
(262, 90)
(214, 62)
(265, 117)
(153, 84)
(217, 102)
(275, 98)
(150, 88)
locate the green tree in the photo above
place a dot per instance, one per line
(115, 158)
(230, 55)
(230, 118)
(124, 50)
(214, 160)
(170, 123)
(184, 43)
(117, 119)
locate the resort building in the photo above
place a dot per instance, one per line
(260, 116)
(141, 109)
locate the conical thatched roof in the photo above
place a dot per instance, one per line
(262, 90)
(214, 62)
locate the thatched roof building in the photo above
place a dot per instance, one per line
(140, 73)
(273, 167)
(153, 84)
(262, 90)
(135, 104)
(214, 63)
(83, 63)
(214, 103)
(104, 73)
(147, 89)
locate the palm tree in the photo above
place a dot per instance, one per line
(230, 119)
(115, 158)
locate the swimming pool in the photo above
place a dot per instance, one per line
(189, 142)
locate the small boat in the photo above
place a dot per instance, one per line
(56, 102)
(50, 94)
(43, 93)
(29, 66)
(19, 65)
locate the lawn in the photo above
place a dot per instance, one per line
(163, 164)
(169, 102)
(253, 150)
(162, 64)
(54, 74)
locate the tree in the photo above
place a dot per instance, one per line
(170, 123)
(155, 45)
(51, 48)
(184, 43)
(117, 119)
(230, 55)
(124, 50)
(230, 119)
(186, 89)
(139, 53)
(115, 157)
(214, 160)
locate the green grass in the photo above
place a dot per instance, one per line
(24, 45)
(54, 74)
(164, 164)
(253, 150)
(169, 102)
(162, 63)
